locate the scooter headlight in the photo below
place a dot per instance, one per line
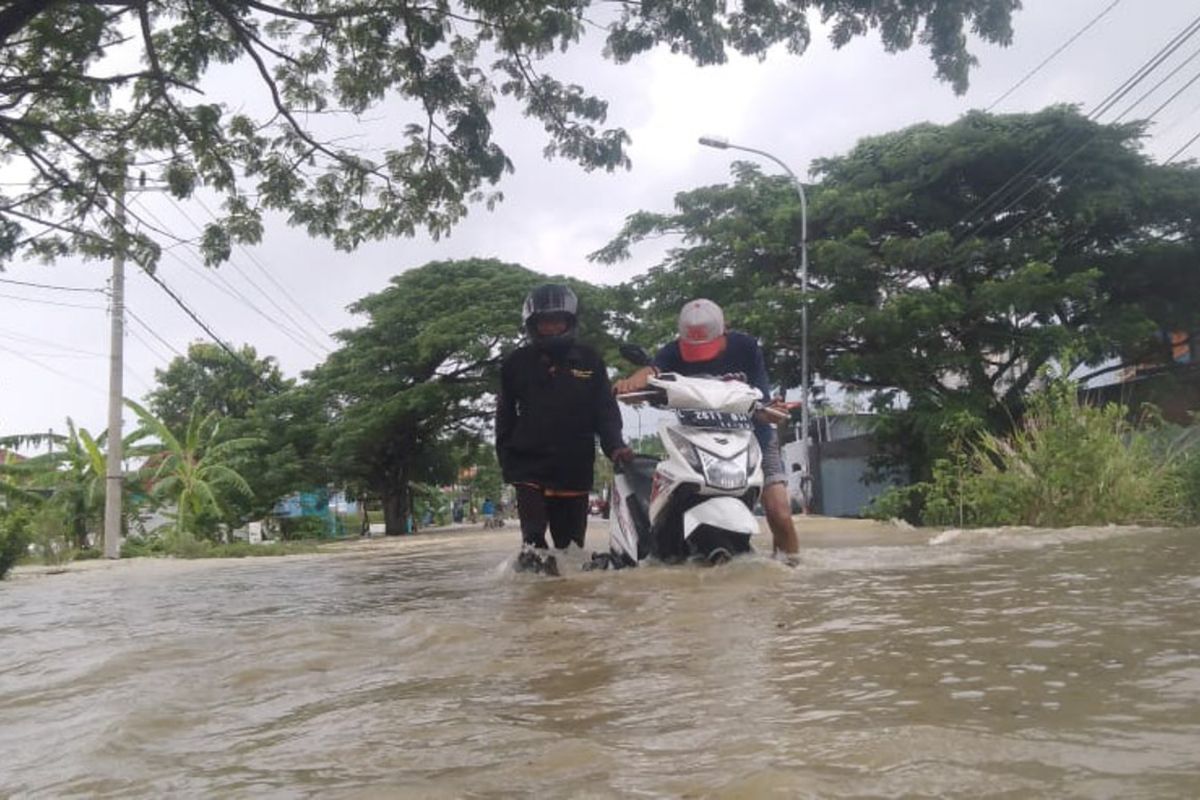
(753, 456)
(687, 450)
(723, 473)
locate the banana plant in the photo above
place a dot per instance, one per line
(190, 470)
(69, 477)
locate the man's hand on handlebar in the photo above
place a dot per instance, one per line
(635, 382)
(622, 455)
(777, 411)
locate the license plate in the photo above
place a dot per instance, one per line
(718, 420)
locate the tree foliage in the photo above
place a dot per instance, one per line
(210, 378)
(945, 273)
(419, 371)
(69, 477)
(89, 90)
(253, 401)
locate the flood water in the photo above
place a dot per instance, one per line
(992, 664)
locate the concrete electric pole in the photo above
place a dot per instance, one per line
(114, 472)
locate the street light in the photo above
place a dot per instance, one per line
(723, 144)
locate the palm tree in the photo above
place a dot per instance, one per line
(190, 471)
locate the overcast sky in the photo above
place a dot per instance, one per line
(53, 358)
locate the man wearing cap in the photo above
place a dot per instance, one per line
(704, 347)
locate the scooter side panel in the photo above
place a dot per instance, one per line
(622, 532)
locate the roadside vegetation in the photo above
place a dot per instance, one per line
(944, 316)
(203, 548)
(1066, 462)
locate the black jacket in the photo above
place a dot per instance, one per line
(549, 412)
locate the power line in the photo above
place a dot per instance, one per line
(218, 281)
(1001, 195)
(51, 302)
(153, 332)
(262, 268)
(1158, 85)
(179, 302)
(149, 387)
(120, 223)
(1155, 61)
(297, 326)
(1054, 55)
(50, 286)
(1186, 145)
(50, 369)
(1034, 185)
(22, 337)
(149, 347)
(1113, 97)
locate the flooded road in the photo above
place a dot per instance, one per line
(994, 664)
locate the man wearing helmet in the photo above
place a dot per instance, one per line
(555, 399)
(705, 347)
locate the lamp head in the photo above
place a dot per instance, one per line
(714, 141)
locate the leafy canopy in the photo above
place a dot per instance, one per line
(935, 277)
(89, 89)
(217, 381)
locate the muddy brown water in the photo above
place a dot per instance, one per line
(890, 663)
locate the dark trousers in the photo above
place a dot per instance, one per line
(566, 516)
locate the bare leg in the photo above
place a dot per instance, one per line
(779, 517)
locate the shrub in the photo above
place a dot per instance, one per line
(313, 527)
(189, 547)
(14, 537)
(51, 533)
(1067, 463)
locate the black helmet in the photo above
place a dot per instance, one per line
(550, 299)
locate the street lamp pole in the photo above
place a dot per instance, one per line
(723, 144)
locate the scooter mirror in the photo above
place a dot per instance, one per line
(635, 354)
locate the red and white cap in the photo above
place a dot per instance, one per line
(701, 330)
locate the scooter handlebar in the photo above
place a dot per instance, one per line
(775, 413)
(652, 396)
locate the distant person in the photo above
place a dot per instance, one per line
(488, 509)
(705, 347)
(554, 400)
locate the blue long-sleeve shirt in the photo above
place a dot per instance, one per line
(742, 359)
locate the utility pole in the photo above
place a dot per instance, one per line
(114, 473)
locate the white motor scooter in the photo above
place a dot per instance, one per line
(697, 502)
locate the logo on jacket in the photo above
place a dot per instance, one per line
(582, 374)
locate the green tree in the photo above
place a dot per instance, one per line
(211, 378)
(191, 471)
(421, 371)
(941, 283)
(75, 108)
(254, 401)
